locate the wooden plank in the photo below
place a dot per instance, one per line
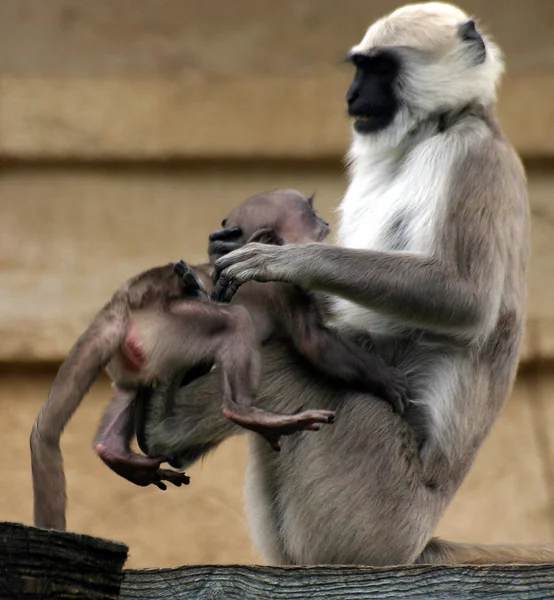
(36, 563)
(41, 564)
(137, 37)
(341, 583)
(247, 117)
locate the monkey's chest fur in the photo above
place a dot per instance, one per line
(394, 206)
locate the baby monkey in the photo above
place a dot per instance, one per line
(161, 323)
(277, 310)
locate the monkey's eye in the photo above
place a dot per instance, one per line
(224, 222)
(383, 64)
(358, 60)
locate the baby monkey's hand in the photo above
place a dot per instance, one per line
(189, 278)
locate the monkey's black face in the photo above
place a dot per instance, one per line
(371, 98)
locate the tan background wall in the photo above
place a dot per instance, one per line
(128, 128)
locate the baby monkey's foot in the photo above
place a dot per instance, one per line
(141, 470)
(271, 426)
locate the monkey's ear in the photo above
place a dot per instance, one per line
(468, 33)
(311, 200)
(267, 236)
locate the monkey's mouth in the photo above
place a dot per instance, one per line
(378, 119)
(362, 123)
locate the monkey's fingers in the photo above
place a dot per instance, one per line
(188, 276)
(218, 249)
(225, 290)
(392, 386)
(310, 419)
(173, 477)
(396, 398)
(181, 268)
(230, 291)
(216, 276)
(225, 234)
(398, 394)
(158, 477)
(397, 402)
(224, 241)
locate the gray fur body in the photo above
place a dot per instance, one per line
(431, 263)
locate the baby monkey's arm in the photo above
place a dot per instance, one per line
(334, 355)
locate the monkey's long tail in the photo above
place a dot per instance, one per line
(86, 359)
(444, 552)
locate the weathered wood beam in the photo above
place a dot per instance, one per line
(523, 582)
(243, 117)
(36, 563)
(41, 564)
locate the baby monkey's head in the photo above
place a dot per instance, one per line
(286, 213)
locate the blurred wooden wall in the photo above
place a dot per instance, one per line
(128, 128)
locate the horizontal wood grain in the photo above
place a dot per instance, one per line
(341, 583)
(248, 117)
(47, 564)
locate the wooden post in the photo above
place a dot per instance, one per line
(41, 564)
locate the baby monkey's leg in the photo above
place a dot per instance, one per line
(240, 358)
(113, 445)
(228, 334)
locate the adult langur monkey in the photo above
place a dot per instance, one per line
(431, 264)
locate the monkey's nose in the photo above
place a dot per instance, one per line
(352, 94)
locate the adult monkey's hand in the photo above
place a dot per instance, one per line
(262, 262)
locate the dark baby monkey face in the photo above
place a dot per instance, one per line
(287, 212)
